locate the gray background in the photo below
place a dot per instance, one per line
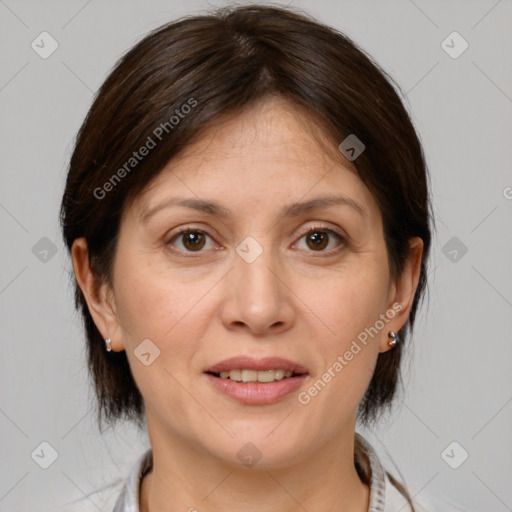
(458, 377)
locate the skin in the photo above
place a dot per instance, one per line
(294, 301)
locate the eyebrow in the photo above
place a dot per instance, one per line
(217, 210)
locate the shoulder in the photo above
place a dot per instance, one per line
(102, 499)
(121, 495)
(388, 494)
(396, 501)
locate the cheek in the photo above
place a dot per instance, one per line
(156, 302)
(145, 306)
(159, 306)
(347, 354)
(350, 301)
(350, 304)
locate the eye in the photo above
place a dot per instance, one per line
(319, 237)
(192, 240)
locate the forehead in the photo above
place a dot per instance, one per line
(273, 128)
(271, 153)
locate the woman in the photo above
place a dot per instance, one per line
(247, 211)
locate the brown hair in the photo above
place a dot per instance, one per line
(218, 64)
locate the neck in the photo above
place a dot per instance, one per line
(185, 479)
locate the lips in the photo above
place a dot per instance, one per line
(256, 393)
(249, 363)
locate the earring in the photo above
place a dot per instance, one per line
(392, 337)
(108, 345)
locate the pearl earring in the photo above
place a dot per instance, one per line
(108, 345)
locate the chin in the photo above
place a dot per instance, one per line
(257, 449)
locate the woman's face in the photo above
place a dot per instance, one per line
(259, 276)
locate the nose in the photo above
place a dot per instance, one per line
(258, 300)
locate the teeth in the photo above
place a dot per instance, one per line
(249, 375)
(279, 374)
(233, 375)
(256, 376)
(268, 376)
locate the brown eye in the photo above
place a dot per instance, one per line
(191, 240)
(318, 239)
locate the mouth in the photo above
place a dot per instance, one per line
(262, 376)
(256, 381)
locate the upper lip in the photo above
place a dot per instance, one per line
(250, 363)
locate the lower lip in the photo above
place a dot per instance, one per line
(257, 393)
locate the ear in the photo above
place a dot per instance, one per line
(99, 296)
(402, 292)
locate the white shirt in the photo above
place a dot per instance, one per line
(384, 496)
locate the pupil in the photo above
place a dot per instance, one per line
(319, 240)
(192, 239)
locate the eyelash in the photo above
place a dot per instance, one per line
(309, 230)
